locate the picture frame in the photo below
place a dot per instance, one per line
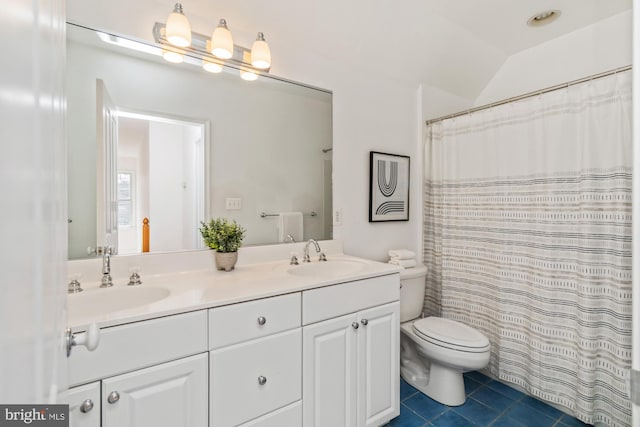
(388, 187)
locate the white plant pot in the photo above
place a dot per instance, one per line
(226, 260)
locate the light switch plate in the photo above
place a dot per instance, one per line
(337, 217)
(233, 203)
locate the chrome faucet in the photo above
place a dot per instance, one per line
(106, 268)
(306, 258)
(290, 238)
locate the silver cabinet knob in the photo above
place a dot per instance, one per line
(262, 320)
(114, 396)
(355, 325)
(262, 380)
(86, 406)
(364, 322)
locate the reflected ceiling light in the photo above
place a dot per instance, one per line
(178, 30)
(172, 56)
(202, 52)
(543, 18)
(248, 75)
(245, 73)
(211, 65)
(260, 53)
(222, 41)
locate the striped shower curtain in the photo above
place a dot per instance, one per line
(527, 237)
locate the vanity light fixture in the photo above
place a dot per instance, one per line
(222, 41)
(178, 28)
(219, 51)
(260, 53)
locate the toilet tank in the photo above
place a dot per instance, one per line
(412, 281)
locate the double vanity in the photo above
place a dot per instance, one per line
(269, 344)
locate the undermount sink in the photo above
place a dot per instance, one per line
(330, 268)
(108, 300)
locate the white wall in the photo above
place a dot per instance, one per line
(603, 46)
(600, 47)
(166, 213)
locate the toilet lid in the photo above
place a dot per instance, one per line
(449, 333)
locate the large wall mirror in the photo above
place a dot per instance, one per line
(177, 145)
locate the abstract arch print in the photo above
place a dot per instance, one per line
(389, 187)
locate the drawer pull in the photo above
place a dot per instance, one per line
(355, 325)
(364, 322)
(86, 406)
(114, 396)
(262, 380)
(262, 320)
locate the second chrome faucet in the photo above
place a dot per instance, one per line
(305, 256)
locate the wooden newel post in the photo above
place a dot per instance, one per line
(145, 235)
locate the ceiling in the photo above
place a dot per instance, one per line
(455, 45)
(412, 39)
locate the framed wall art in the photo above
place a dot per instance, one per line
(388, 187)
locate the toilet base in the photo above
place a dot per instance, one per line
(443, 384)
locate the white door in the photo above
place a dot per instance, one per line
(84, 405)
(106, 169)
(379, 365)
(172, 394)
(329, 352)
(33, 195)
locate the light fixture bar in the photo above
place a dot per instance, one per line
(199, 50)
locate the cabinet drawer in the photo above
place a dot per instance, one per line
(138, 345)
(237, 394)
(284, 417)
(237, 323)
(338, 300)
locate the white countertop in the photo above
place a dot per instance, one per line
(180, 292)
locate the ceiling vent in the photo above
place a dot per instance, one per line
(543, 18)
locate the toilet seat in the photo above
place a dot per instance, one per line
(451, 334)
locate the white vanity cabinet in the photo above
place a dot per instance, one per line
(151, 373)
(255, 363)
(319, 356)
(351, 362)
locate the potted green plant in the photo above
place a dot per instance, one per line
(225, 237)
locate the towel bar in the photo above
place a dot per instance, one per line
(264, 214)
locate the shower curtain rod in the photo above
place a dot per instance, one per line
(530, 94)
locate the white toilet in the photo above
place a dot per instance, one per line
(434, 352)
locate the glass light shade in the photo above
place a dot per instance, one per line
(172, 56)
(222, 41)
(248, 76)
(260, 53)
(212, 67)
(178, 30)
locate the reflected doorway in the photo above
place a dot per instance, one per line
(160, 176)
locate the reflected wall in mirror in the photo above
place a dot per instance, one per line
(263, 147)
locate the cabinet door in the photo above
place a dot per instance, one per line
(378, 365)
(172, 394)
(329, 371)
(84, 405)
